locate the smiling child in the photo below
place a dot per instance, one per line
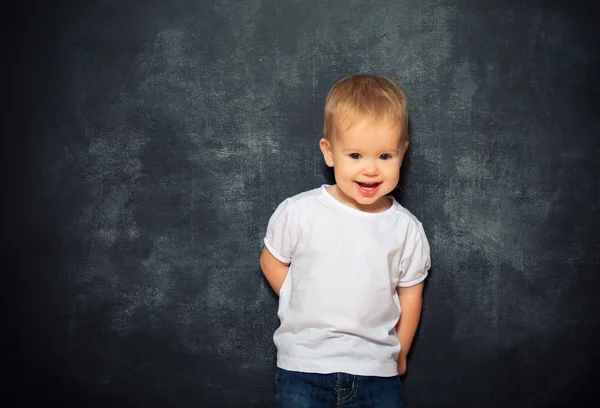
(348, 261)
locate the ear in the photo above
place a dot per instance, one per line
(403, 150)
(327, 153)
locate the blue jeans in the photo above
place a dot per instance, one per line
(308, 390)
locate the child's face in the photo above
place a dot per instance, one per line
(366, 160)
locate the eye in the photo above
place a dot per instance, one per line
(385, 156)
(354, 156)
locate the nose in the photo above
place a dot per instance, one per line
(370, 168)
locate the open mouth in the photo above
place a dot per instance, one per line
(368, 186)
(368, 189)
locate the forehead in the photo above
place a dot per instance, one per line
(382, 133)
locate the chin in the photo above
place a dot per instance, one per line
(369, 201)
(366, 200)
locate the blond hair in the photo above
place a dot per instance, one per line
(360, 96)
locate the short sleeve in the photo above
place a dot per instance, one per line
(280, 239)
(416, 260)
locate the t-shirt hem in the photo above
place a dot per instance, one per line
(412, 282)
(276, 253)
(340, 365)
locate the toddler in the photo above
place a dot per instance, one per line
(348, 261)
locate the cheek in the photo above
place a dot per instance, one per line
(393, 171)
(345, 168)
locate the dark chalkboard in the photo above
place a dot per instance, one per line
(153, 140)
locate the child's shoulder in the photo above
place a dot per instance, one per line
(404, 213)
(305, 196)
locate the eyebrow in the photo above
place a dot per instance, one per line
(383, 151)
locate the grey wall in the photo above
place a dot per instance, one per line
(153, 140)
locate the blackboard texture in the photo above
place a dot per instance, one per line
(152, 140)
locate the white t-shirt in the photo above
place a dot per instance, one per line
(338, 305)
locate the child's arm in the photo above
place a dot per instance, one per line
(410, 302)
(274, 270)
